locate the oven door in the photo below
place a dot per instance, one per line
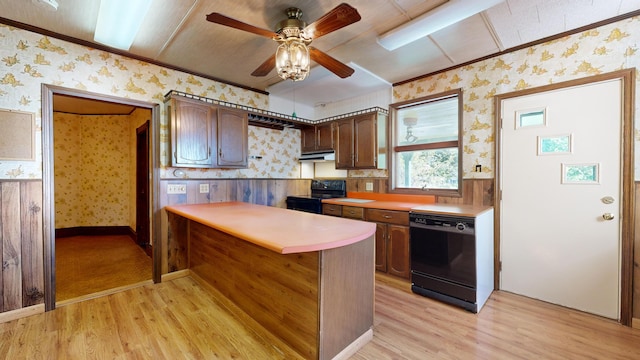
(306, 204)
(443, 254)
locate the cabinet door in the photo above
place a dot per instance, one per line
(192, 141)
(398, 250)
(308, 139)
(381, 247)
(344, 144)
(364, 146)
(232, 138)
(324, 136)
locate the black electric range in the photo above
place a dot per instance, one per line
(320, 189)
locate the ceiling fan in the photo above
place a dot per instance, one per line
(294, 36)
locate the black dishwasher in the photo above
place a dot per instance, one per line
(444, 261)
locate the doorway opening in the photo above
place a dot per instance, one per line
(98, 220)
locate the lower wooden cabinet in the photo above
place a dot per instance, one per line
(398, 250)
(392, 241)
(392, 235)
(331, 209)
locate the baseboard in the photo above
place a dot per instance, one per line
(102, 293)
(95, 230)
(356, 345)
(175, 275)
(635, 323)
(20, 313)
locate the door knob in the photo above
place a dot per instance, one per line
(607, 216)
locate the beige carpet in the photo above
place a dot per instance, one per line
(90, 264)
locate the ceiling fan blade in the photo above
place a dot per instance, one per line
(227, 21)
(266, 67)
(330, 63)
(341, 16)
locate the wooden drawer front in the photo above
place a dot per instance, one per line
(333, 210)
(388, 216)
(353, 212)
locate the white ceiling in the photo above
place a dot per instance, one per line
(176, 33)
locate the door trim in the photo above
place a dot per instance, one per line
(627, 77)
(48, 211)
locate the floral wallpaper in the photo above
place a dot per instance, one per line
(28, 60)
(272, 154)
(605, 49)
(92, 170)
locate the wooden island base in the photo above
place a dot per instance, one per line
(320, 303)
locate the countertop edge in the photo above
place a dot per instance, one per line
(181, 210)
(432, 208)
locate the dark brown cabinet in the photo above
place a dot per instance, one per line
(392, 235)
(356, 142)
(206, 136)
(317, 138)
(392, 241)
(192, 135)
(324, 136)
(331, 209)
(308, 139)
(232, 138)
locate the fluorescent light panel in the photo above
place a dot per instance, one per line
(119, 22)
(437, 19)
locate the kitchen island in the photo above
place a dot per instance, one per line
(306, 278)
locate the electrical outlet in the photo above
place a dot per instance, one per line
(176, 189)
(369, 186)
(204, 188)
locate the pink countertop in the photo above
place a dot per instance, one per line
(281, 230)
(450, 209)
(374, 204)
(425, 204)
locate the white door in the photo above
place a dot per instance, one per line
(560, 179)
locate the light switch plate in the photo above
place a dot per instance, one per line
(204, 188)
(369, 186)
(176, 189)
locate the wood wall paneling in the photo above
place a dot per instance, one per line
(21, 241)
(177, 246)
(271, 192)
(477, 192)
(32, 243)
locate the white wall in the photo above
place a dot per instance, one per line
(287, 107)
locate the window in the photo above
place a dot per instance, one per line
(426, 145)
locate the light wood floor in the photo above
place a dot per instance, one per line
(86, 265)
(181, 319)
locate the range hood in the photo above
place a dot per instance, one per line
(318, 157)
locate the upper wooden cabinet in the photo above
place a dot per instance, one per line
(192, 135)
(308, 139)
(317, 138)
(232, 138)
(356, 142)
(207, 136)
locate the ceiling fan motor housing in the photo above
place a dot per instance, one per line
(293, 26)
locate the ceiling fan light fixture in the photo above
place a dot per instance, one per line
(292, 60)
(119, 22)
